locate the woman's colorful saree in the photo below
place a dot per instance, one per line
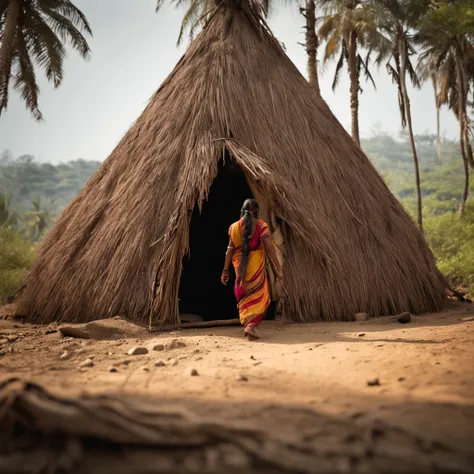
(253, 296)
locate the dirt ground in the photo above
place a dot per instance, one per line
(417, 378)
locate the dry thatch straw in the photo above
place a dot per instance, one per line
(118, 247)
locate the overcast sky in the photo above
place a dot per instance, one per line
(133, 50)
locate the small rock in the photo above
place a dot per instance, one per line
(113, 369)
(12, 338)
(86, 363)
(401, 379)
(145, 369)
(470, 318)
(373, 383)
(241, 378)
(362, 334)
(252, 357)
(160, 363)
(2, 353)
(404, 318)
(192, 372)
(51, 330)
(310, 349)
(137, 351)
(65, 355)
(159, 347)
(361, 316)
(175, 344)
(173, 362)
(210, 335)
(123, 362)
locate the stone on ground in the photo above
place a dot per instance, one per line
(137, 351)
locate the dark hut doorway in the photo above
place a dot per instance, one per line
(201, 292)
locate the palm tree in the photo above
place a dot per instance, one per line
(34, 32)
(434, 82)
(449, 52)
(348, 26)
(311, 43)
(398, 17)
(37, 221)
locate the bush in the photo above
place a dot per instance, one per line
(452, 242)
(16, 255)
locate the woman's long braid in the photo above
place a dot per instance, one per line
(249, 209)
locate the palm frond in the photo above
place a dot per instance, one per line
(45, 46)
(415, 80)
(339, 65)
(363, 65)
(25, 79)
(332, 46)
(68, 10)
(328, 26)
(67, 31)
(395, 75)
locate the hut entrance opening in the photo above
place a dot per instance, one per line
(201, 292)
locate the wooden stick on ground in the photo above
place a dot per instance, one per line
(196, 325)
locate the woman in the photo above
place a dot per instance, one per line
(249, 243)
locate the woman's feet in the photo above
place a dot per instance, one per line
(251, 332)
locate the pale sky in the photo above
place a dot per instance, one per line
(133, 50)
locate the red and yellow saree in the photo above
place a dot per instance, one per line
(253, 296)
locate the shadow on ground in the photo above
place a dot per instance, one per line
(121, 433)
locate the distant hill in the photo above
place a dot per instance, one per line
(25, 180)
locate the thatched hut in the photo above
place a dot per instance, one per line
(146, 237)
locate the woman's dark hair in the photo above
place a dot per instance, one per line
(249, 210)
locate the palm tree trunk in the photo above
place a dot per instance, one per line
(354, 79)
(438, 121)
(312, 44)
(406, 100)
(7, 49)
(462, 128)
(465, 194)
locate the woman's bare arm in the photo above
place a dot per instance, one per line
(228, 261)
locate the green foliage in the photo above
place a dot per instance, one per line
(16, 254)
(51, 186)
(451, 238)
(452, 242)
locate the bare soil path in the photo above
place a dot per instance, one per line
(417, 378)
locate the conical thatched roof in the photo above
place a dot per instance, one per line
(118, 247)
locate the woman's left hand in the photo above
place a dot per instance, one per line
(225, 279)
